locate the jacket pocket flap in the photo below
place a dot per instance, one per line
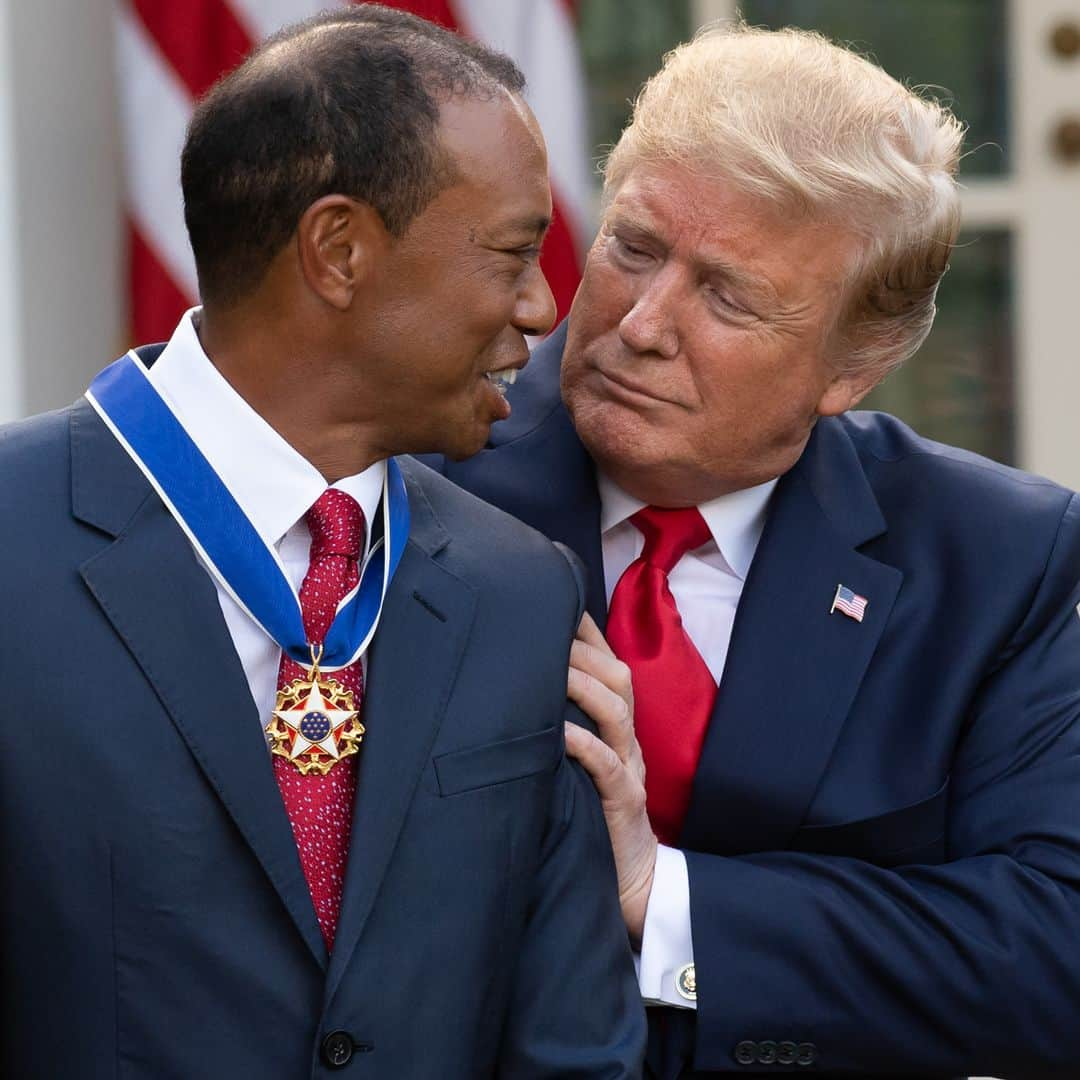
(498, 762)
(885, 839)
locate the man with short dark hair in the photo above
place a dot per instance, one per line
(839, 747)
(293, 795)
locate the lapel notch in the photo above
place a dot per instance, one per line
(163, 606)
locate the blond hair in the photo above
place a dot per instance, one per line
(790, 117)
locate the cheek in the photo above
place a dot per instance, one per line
(735, 366)
(604, 296)
(613, 430)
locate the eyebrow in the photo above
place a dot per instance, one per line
(738, 277)
(530, 226)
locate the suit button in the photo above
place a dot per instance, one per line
(786, 1053)
(805, 1054)
(746, 1052)
(337, 1049)
(766, 1052)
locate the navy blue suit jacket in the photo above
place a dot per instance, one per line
(158, 924)
(883, 838)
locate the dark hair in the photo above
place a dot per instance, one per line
(344, 103)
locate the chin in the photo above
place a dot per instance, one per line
(464, 446)
(616, 434)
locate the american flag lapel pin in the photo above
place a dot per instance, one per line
(849, 603)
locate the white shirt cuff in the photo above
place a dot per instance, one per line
(667, 948)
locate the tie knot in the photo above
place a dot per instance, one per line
(670, 534)
(337, 525)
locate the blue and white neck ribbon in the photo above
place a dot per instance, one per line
(247, 567)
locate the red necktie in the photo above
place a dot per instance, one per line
(320, 807)
(674, 691)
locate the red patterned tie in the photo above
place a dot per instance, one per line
(320, 807)
(674, 691)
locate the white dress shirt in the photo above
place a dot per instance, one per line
(706, 584)
(273, 484)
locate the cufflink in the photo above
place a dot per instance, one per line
(686, 982)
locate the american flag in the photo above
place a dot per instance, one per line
(850, 603)
(171, 51)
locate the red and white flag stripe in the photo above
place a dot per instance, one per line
(169, 53)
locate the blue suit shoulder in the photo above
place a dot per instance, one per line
(37, 445)
(35, 465)
(498, 549)
(882, 440)
(972, 536)
(925, 485)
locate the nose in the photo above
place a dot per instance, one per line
(650, 325)
(534, 312)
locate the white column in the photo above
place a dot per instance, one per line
(61, 293)
(11, 391)
(1046, 90)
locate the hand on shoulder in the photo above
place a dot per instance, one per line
(599, 683)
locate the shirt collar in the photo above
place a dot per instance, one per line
(735, 520)
(272, 483)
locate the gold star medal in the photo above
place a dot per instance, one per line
(314, 724)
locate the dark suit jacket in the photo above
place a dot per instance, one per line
(884, 833)
(158, 922)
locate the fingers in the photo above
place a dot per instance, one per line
(603, 666)
(615, 783)
(600, 684)
(611, 712)
(589, 632)
(597, 758)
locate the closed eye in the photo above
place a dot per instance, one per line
(723, 300)
(628, 252)
(527, 253)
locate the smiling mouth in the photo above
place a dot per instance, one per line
(502, 379)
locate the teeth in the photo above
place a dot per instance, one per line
(502, 379)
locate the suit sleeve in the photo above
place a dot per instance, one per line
(576, 1011)
(966, 967)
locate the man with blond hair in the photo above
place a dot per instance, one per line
(838, 699)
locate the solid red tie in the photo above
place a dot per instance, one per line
(320, 807)
(674, 691)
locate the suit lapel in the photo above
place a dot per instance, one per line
(792, 669)
(411, 668)
(163, 606)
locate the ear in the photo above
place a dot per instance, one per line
(845, 392)
(339, 242)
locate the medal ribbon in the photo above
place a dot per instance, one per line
(245, 565)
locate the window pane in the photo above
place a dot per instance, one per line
(959, 386)
(955, 46)
(622, 44)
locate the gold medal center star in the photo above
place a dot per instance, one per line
(294, 718)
